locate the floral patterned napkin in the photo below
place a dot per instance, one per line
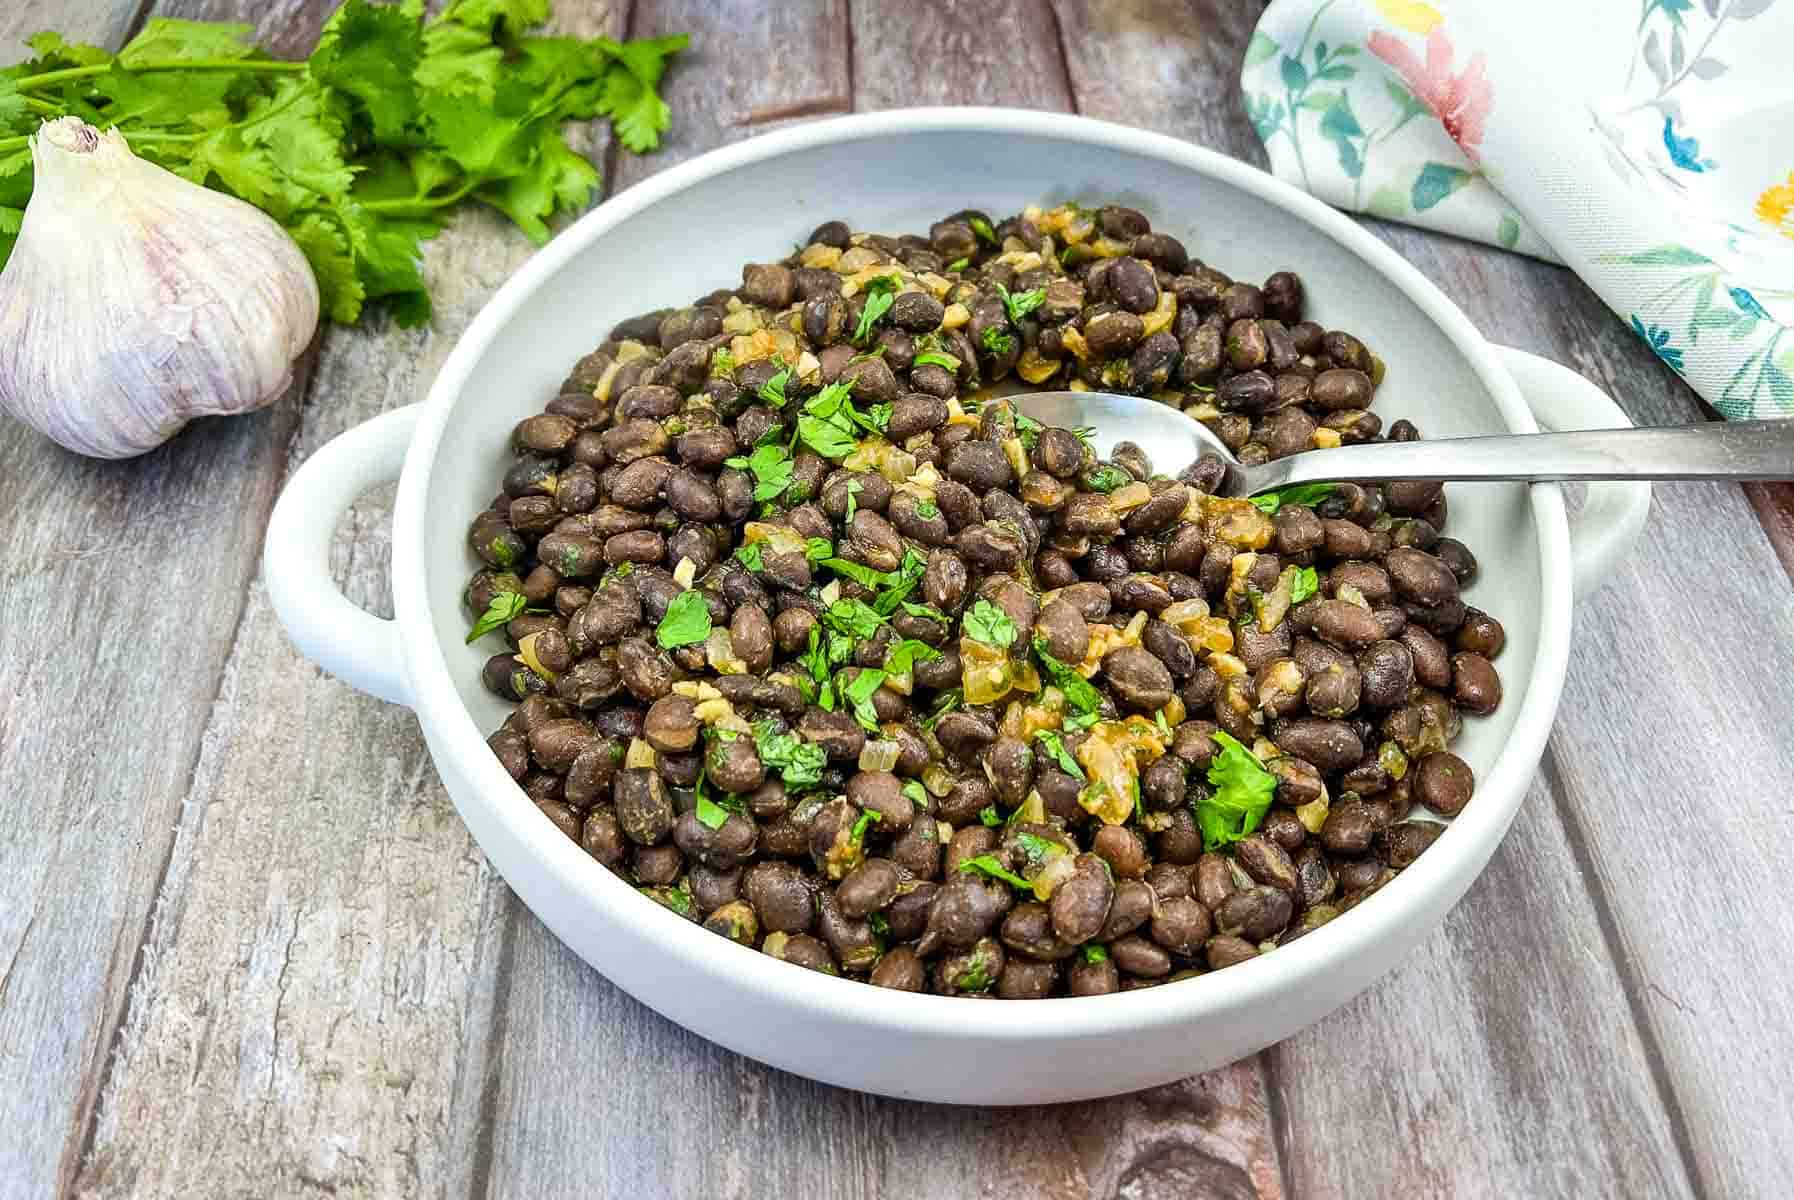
(1648, 144)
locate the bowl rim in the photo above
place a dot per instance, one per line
(1465, 846)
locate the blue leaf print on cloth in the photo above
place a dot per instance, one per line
(1684, 151)
(1657, 338)
(1747, 303)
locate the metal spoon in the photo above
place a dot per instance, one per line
(1711, 450)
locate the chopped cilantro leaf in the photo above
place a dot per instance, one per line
(750, 556)
(1306, 494)
(687, 621)
(1095, 953)
(937, 358)
(825, 437)
(1056, 750)
(1079, 693)
(997, 341)
(854, 618)
(1308, 582)
(1107, 478)
(858, 833)
(909, 574)
(1027, 429)
(990, 816)
(982, 228)
(859, 694)
(799, 762)
(504, 607)
(860, 573)
(773, 390)
(988, 865)
(903, 656)
(1020, 304)
(877, 305)
(913, 789)
(928, 510)
(771, 468)
(926, 611)
(987, 623)
(945, 703)
(816, 549)
(958, 264)
(854, 488)
(1243, 791)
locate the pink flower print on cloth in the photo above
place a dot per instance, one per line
(1461, 101)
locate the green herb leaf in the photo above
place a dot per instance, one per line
(854, 618)
(773, 390)
(687, 621)
(909, 574)
(504, 607)
(1028, 429)
(860, 573)
(1056, 750)
(771, 468)
(1079, 692)
(800, 763)
(1095, 953)
(877, 305)
(997, 341)
(1020, 304)
(990, 816)
(987, 865)
(816, 549)
(1308, 583)
(928, 510)
(937, 358)
(750, 556)
(825, 437)
(982, 228)
(945, 703)
(1107, 478)
(958, 264)
(858, 833)
(987, 623)
(1039, 849)
(712, 814)
(1243, 791)
(913, 789)
(1306, 494)
(859, 694)
(903, 656)
(854, 488)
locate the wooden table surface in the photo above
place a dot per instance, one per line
(247, 948)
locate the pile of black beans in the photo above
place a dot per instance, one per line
(630, 489)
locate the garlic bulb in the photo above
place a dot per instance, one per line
(135, 301)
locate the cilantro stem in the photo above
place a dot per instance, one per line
(419, 205)
(53, 78)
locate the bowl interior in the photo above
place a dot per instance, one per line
(695, 239)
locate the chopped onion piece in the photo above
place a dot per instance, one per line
(640, 754)
(685, 572)
(831, 592)
(719, 651)
(937, 779)
(1017, 455)
(1057, 870)
(879, 755)
(1184, 614)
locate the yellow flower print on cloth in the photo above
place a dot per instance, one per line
(1776, 205)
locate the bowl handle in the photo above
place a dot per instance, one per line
(1613, 514)
(347, 641)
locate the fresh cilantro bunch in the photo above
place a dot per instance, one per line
(364, 150)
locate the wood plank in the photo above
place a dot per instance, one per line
(325, 954)
(1515, 1068)
(958, 52)
(113, 636)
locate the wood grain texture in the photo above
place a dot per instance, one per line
(320, 972)
(124, 587)
(957, 52)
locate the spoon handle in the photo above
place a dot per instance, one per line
(1712, 450)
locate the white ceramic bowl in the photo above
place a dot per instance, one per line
(685, 232)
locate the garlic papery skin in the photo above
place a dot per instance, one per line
(135, 301)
